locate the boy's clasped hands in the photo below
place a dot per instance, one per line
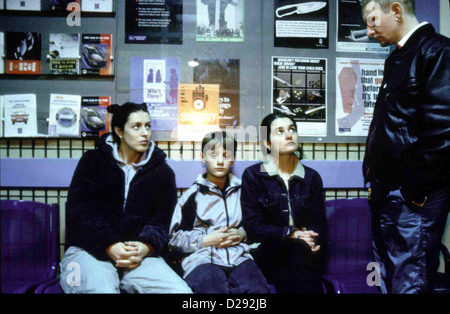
(224, 237)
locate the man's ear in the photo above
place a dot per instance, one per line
(397, 9)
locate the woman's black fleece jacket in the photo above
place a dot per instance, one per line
(95, 212)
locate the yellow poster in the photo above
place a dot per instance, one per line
(198, 110)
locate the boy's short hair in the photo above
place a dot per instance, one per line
(212, 139)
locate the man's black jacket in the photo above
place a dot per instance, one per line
(408, 144)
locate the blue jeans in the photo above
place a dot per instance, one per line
(244, 278)
(406, 240)
(290, 266)
(83, 273)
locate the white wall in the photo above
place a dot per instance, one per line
(445, 18)
(445, 30)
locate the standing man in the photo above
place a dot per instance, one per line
(407, 159)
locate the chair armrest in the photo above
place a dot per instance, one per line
(42, 287)
(30, 287)
(332, 285)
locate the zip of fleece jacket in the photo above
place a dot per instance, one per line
(202, 209)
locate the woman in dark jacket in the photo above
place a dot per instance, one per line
(119, 207)
(283, 210)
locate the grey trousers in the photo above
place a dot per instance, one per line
(83, 273)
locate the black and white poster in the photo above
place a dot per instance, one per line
(225, 73)
(300, 24)
(299, 90)
(220, 20)
(154, 22)
(352, 31)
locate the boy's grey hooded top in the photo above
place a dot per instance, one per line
(202, 209)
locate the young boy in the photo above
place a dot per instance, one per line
(206, 225)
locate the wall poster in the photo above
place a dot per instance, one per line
(301, 24)
(352, 31)
(20, 115)
(299, 90)
(224, 72)
(155, 82)
(220, 20)
(154, 22)
(198, 111)
(357, 84)
(23, 53)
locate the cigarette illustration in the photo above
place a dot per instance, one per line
(282, 81)
(314, 110)
(285, 110)
(284, 95)
(359, 35)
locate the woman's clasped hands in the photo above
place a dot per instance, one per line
(128, 254)
(308, 236)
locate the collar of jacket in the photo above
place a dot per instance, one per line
(153, 157)
(145, 158)
(412, 41)
(206, 186)
(271, 168)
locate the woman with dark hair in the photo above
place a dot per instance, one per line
(119, 207)
(283, 210)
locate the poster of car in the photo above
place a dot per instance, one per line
(198, 111)
(20, 115)
(155, 82)
(64, 117)
(220, 20)
(352, 31)
(357, 84)
(301, 24)
(225, 73)
(299, 90)
(94, 120)
(96, 53)
(154, 22)
(23, 53)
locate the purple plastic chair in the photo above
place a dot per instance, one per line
(350, 246)
(29, 244)
(51, 286)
